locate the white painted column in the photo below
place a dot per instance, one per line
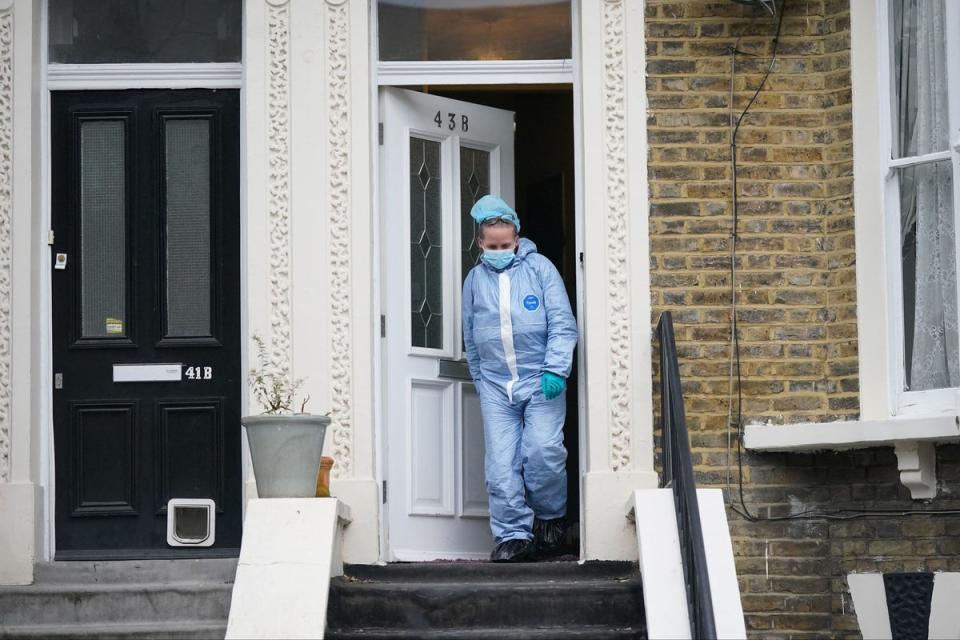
(20, 339)
(616, 273)
(307, 190)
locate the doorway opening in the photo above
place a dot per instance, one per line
(545, 201)
(542, 180)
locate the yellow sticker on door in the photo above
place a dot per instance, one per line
(114, 327)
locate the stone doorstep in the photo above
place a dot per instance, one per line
(208, 570)
(186, 598)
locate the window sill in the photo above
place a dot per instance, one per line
(913, 440)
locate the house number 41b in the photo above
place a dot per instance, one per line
(199, 373)
(451, 120)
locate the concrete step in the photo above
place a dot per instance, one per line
(202, 630)
(587, 632)
(101, 603)
(211, 570)
(134, 599)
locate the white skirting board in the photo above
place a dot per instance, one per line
(664, 592)
(289, 552)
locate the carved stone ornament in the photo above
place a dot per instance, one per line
(615, 192)
(278, 145)
(337, 75)
(6, 236)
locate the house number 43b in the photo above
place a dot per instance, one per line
(452, 120)
(199, 373)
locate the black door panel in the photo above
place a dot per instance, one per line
(146, 208)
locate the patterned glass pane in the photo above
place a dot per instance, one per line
(426, 247)
(928, 254)
(103, 255)
(474, 29)
(98, 31)
(918, 77)
(474, 184)
(187, 190)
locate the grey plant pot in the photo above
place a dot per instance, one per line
(286, 453)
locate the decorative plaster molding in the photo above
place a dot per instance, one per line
(618, 267)
(6, 235)
(917, 463)
(338, 210)
(278, 144)
(188, 75)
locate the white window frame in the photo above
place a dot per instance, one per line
(879, 280)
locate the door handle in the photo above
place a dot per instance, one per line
(453, 369)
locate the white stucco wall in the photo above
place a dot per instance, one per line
(310, 106)
(616, 273)
(307, 192)
(20, 330)
(310, 263)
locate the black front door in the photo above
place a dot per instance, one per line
(146, 317)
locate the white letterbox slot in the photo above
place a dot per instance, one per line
(148, 372)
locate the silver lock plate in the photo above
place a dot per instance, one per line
(58, 381)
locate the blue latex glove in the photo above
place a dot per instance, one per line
(552, 385)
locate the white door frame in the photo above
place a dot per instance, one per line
(92, 77)
(510, 72)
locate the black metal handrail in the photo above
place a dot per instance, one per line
(678, 475)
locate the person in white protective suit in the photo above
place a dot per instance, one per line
(519, 334)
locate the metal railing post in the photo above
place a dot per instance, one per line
(678, 474)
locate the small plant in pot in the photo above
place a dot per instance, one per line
(285, 445)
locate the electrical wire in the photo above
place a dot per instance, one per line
(735, 368)
(735, 371)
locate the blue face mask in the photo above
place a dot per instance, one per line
(498, 259)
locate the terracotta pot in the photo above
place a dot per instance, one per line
(323, 477)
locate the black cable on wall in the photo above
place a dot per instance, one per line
(735, 375)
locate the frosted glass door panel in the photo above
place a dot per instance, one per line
(103, 238)
(187, 191)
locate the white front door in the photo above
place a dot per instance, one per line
(438, 157)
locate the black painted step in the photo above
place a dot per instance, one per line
(469, 570)
(484, 600)
(597, 632)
